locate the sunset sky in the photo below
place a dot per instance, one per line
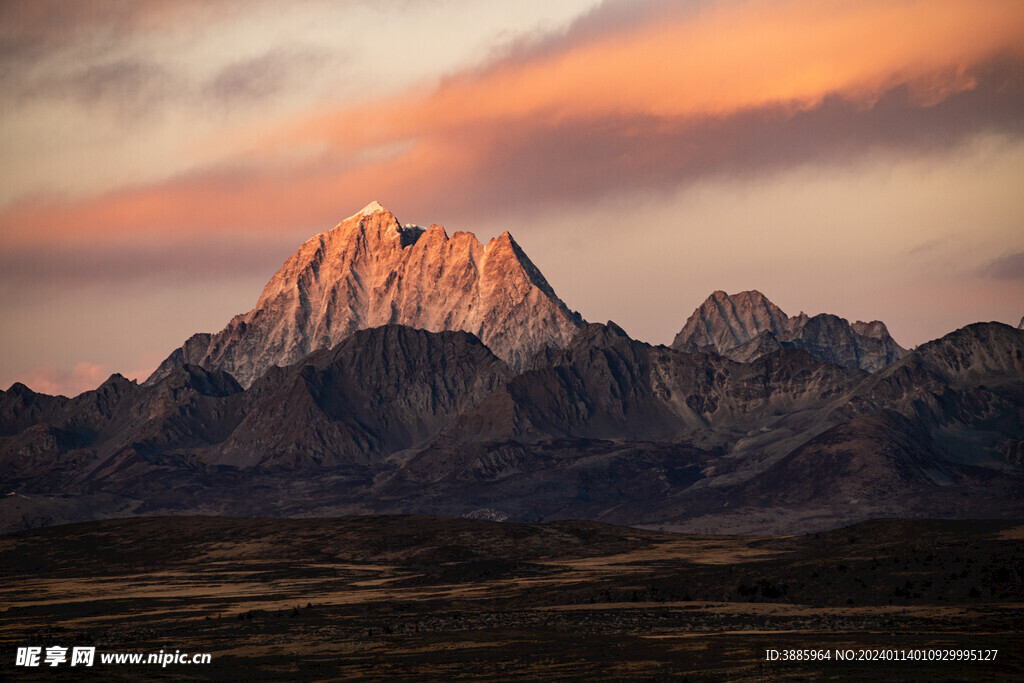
(159, 159)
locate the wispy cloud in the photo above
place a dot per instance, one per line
(51, 380)
(252, 80)
(30, 28)
(34, 272)
(127, 87)
(1008, 267)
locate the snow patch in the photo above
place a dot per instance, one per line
(368, 210)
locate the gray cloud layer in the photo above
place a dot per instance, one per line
(1009, 267)
(258, 78)
(27, 271)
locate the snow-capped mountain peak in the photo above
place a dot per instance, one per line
(368, 210)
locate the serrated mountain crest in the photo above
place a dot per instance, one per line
(370, 271)
(748, 325)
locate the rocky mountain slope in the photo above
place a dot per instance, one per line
(370, 271)
(747, 325)
(378, 392)
(395, 419)
(606, 385)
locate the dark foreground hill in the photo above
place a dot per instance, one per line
(398, 420)
(412, 597)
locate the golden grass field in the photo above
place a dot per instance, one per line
(409, 597)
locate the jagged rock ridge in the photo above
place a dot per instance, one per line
(370, 271)
(747, 325)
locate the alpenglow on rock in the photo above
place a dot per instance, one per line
(369, 271)
(747, 325)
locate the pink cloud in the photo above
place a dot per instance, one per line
(85, 376)
(49, 379)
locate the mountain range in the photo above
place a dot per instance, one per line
(397, 369)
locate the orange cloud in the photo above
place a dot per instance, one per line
(731, 57)
(180, 207)
(254, 200)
